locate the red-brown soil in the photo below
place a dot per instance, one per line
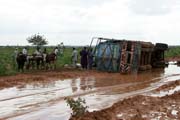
(139, 108)
(177, 58)
(168, 86)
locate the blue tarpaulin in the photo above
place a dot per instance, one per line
(108, 56)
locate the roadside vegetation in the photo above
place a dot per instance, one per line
(173, 51)
(77, 106)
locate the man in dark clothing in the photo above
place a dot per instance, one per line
(84, 55)
(21, 59)
(90, 59)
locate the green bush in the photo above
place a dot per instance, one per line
(172, 52)
(77, 106)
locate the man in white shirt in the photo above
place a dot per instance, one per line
(38, 52)
(74, 57)
(61, 48)
(24, 51)
(15, 53)
(56, 51)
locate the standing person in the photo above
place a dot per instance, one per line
(90, 59)
(25, 54)
(24, 51)
(38, 57)
(84, 55)
(56, 52)
(44, 54)
(37, 52)
(21, 59)
(15, 55)
(61, 48)
(74, 57)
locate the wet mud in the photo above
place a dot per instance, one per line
(40, 96)
(140, 108)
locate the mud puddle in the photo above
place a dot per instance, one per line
(45, 100)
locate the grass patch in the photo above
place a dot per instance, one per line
(173, 51)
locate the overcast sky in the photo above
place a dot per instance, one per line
(75, 22)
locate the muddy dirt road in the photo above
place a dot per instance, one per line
(41, 96)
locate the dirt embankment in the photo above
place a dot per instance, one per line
(168, 86)
(141, 108)
(177, 58)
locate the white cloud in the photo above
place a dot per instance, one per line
(152, 7)
(75, 22)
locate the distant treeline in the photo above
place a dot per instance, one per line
(172, 51)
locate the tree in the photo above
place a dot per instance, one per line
(37, 40)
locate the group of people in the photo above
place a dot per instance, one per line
(38, 52)
(41, 55)
(86, 58)
(38, 57)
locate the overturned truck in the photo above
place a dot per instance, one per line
(126, 56)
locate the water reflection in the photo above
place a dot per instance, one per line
(172, 69)
(74, 83)
(37, 99)
(83, 84)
